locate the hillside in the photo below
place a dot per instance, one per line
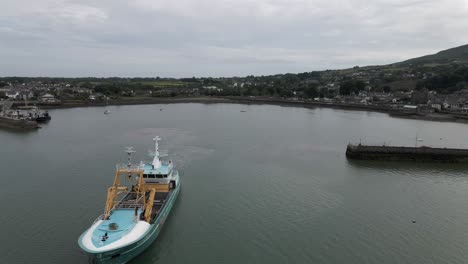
(457, 54)
(444, 72)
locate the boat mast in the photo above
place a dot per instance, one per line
(129, 152)
(5, 107)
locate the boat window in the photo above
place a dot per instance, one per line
(151, 176)
(159, 176)
(145, 175)
(165, 176)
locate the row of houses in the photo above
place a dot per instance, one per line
(19, 94)
(450, 104)
(24, 95)
(457, 102)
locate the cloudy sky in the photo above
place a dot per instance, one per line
(184, 38)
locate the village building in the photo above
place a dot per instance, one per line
(48, 99)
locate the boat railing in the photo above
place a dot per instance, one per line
(101, 217)
(129, 168)
(130, 204)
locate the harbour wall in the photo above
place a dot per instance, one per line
(363, 152)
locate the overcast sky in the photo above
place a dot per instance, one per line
(184, 38)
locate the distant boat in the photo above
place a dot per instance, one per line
(420, 139)
(15, 118)
(33, 113)
(243, 111)
(43, 117)
(107, 112)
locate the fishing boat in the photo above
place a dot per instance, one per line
(107, 112)
(135, 212)
(43, 117)
(33, 113)
(14, 118)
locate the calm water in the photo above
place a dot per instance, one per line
(271, 185)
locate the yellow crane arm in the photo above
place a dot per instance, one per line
(112, 193)
(149, 205)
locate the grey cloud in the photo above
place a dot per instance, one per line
(220, 37)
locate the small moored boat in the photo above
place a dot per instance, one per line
(33, 113)
(43, 117)
(133, 215)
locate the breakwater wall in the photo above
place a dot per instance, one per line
(363, 152)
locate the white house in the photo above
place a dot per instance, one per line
(12, 94)
(48, 98)
(436, 105)
(452, 103)
(213, 88)
(464, 107)
(26, 95)
(410, 108)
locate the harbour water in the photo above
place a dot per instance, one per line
(268, 185)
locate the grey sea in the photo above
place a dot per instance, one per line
(268, 185)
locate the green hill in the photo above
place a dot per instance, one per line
(458, 54)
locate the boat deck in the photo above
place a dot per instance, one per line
(159, 201)
(119, 223)
(122, 219)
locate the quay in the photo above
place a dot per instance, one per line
(394, 153)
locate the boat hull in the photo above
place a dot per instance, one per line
(43, 119)
(125, 254)
(17, 123)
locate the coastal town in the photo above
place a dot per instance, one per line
(331, 89)
(63, 94)
(433, 86)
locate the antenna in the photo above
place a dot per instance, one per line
(129, 151)
(156, 162)
(156, 141)
(156, 145)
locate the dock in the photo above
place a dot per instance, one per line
(394, 153)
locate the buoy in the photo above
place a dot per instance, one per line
(414, 221)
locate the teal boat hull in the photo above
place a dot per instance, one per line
(125, 254)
